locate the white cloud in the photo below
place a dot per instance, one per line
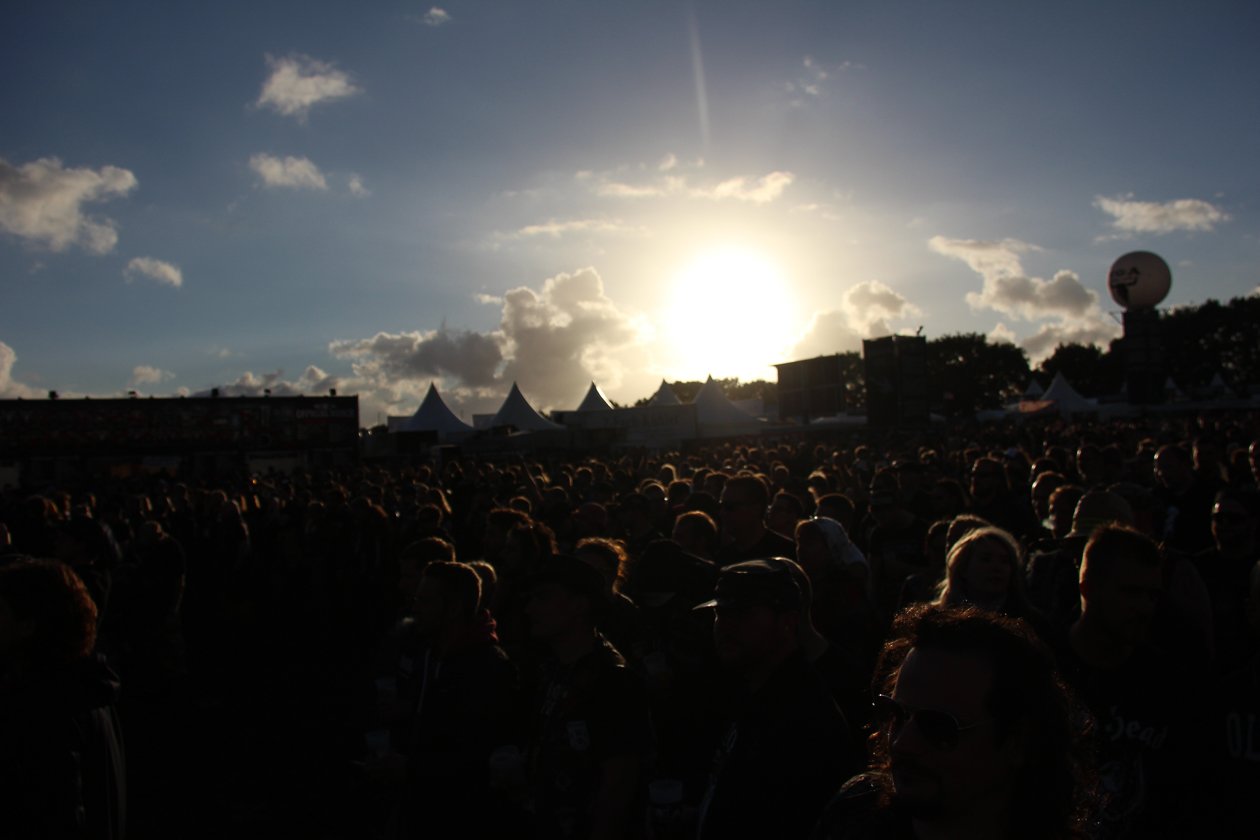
(663, 187)
(158, 270)
(556, 229)
(759, 191)
(1188, 214)
(42, 201)
(671, 179)
(1007, 289)
(1002, 334)
(435, 17)
(297, 83)
(355, 185)
(1097, 329)
(828, 332)
(552, 341)
(294, 172)
(471, 358)
(149, 375)
(986, 258)
(866, 311)
(1072, 309)
(312, 381)
(9, 387)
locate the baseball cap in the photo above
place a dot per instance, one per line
(770, 582)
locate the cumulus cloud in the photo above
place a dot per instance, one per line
(248, 384)
(866, 311)
(42, 201)
(1071, 308)
(828, 332)
(149, 375)
(293, 172)
(552, 340)
(1185, 214)
(155, 269)
(356, 187)
(986, 258)
(471, 358)
(10, 388)
(1096, 329)
(668, 179)
(435, 17)
(1002, 334)
(1008, 289)
(298, 82)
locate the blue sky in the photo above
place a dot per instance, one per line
(299, 196)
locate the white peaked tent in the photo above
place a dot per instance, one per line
(594, 400)
(1034, 391)
(664, 396)
(434, 416)
(717, 415)
(1066, 399)
(516, 411)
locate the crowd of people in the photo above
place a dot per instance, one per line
(1044, 630)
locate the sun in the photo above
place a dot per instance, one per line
(730, 312)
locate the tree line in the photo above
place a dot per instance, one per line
(967, 373)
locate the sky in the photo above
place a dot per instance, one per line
(299, 196)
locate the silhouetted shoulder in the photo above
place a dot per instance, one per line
(859, 812)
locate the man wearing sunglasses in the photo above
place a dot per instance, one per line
(972, 738)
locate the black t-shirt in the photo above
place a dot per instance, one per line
(586, 712)
(1232, 777)
(1148, 738)
(787, 750)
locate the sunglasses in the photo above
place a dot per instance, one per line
(940, 729)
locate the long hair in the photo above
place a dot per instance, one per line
(953, 588)
(1054, 795)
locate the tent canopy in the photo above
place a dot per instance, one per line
(594, 400)
(664, 396)
(517, 412)
(434, 416)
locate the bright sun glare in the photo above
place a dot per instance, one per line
(730, 313)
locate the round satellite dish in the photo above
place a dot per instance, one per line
(1139, 280)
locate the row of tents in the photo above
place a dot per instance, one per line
(711, 413)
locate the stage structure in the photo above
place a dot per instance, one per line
(1139, 281)
(896, 380)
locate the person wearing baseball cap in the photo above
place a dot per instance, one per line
(788, 744)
